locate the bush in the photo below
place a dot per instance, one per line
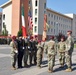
(19, 33)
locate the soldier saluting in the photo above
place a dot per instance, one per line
(50, 49)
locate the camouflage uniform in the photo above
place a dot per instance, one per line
(61, 48)
(39, 54)
(69, 50)
(30, 51)
(50, 49)
(14, 52)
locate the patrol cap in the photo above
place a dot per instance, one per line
(52, 37)
(13, 37)
(69, 31)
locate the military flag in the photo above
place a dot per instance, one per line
(23, 21)
(44, 28)
(30, 20)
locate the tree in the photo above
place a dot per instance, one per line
(19, 33)
(4, 32)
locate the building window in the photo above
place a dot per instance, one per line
(3, 24)
(3, 16)
(29, 2)
(54, 31)
(44, 12)
(35, 20)
(49, 22)
(52, 15)
(35, 11)
(57, 17)
(36, 3)
(49, 15)
(54, 24)
(35, 29)
(44, 5)
(0, 17)
(51, 30)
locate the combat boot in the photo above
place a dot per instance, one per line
(61, 66)
(13, 68)
(68, 70)
(50, 71)
(39, 67)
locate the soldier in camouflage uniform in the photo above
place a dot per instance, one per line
(69, 50)
(14, 52)
(30, 48)
(50, 49)
(39, 54)
(61, 50)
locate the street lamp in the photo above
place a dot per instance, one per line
(57, 28)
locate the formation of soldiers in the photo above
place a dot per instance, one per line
(31, 50)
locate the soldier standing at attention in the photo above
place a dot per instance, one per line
(39, 54)
(35, 43)
(69, 50)
(14, 52)
(50, 49)
(61, 50)
(26, 51)
(30, 48)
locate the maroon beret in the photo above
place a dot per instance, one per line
(52, 37)
(13, 37)
(39, 41)
(36, 36)
(69, 31)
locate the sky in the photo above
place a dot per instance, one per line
(62, 6)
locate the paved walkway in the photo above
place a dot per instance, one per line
(6, 65)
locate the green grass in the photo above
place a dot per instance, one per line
(74, 45)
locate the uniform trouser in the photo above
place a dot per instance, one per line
(51, 61)
(39, 60)
(34, 56)
(20, 57)
(30, 57)
(62, 58)
(14, 59)
(68, 59)
(25, 57)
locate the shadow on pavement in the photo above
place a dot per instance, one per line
(60, 69)
(65, 67)
(44, 62)
(74, 67)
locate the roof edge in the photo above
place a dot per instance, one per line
(5, 4)
(59, 13)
